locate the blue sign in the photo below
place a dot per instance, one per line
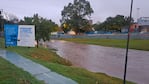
(11, 34)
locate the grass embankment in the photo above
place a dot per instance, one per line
(10, 74)
(51, 60)
(134, 44)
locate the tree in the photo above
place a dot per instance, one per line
(76, 16)
(43, 27)
(113, 23)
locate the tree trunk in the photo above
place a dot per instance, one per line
(37, 43)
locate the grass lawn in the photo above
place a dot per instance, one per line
(10, 74)
(51, 60)
(134, 44)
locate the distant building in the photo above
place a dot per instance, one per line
(133, 28)
(141, 26)
(143, 23)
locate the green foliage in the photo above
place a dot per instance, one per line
(43, 26)
(75, 15)
(113, 23)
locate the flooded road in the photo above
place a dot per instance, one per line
(105, 59)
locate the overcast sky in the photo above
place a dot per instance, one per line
(51, 9)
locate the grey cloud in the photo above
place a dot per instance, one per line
(51, 9)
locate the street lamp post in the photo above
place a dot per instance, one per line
(127, 47)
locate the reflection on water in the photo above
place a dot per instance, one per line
(105, 59)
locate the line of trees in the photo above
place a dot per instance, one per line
(113, 23)
(76, 17)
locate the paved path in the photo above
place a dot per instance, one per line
(37, 70)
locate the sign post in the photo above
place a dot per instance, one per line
(19, 35)
(11, 34)
(26, 35)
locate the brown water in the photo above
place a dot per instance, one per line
(105, 59)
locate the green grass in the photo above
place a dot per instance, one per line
(10, 74)
(51, 60)
(134, 44)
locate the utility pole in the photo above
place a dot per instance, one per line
(127, 47)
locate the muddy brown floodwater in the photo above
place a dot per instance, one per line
(105, 59)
